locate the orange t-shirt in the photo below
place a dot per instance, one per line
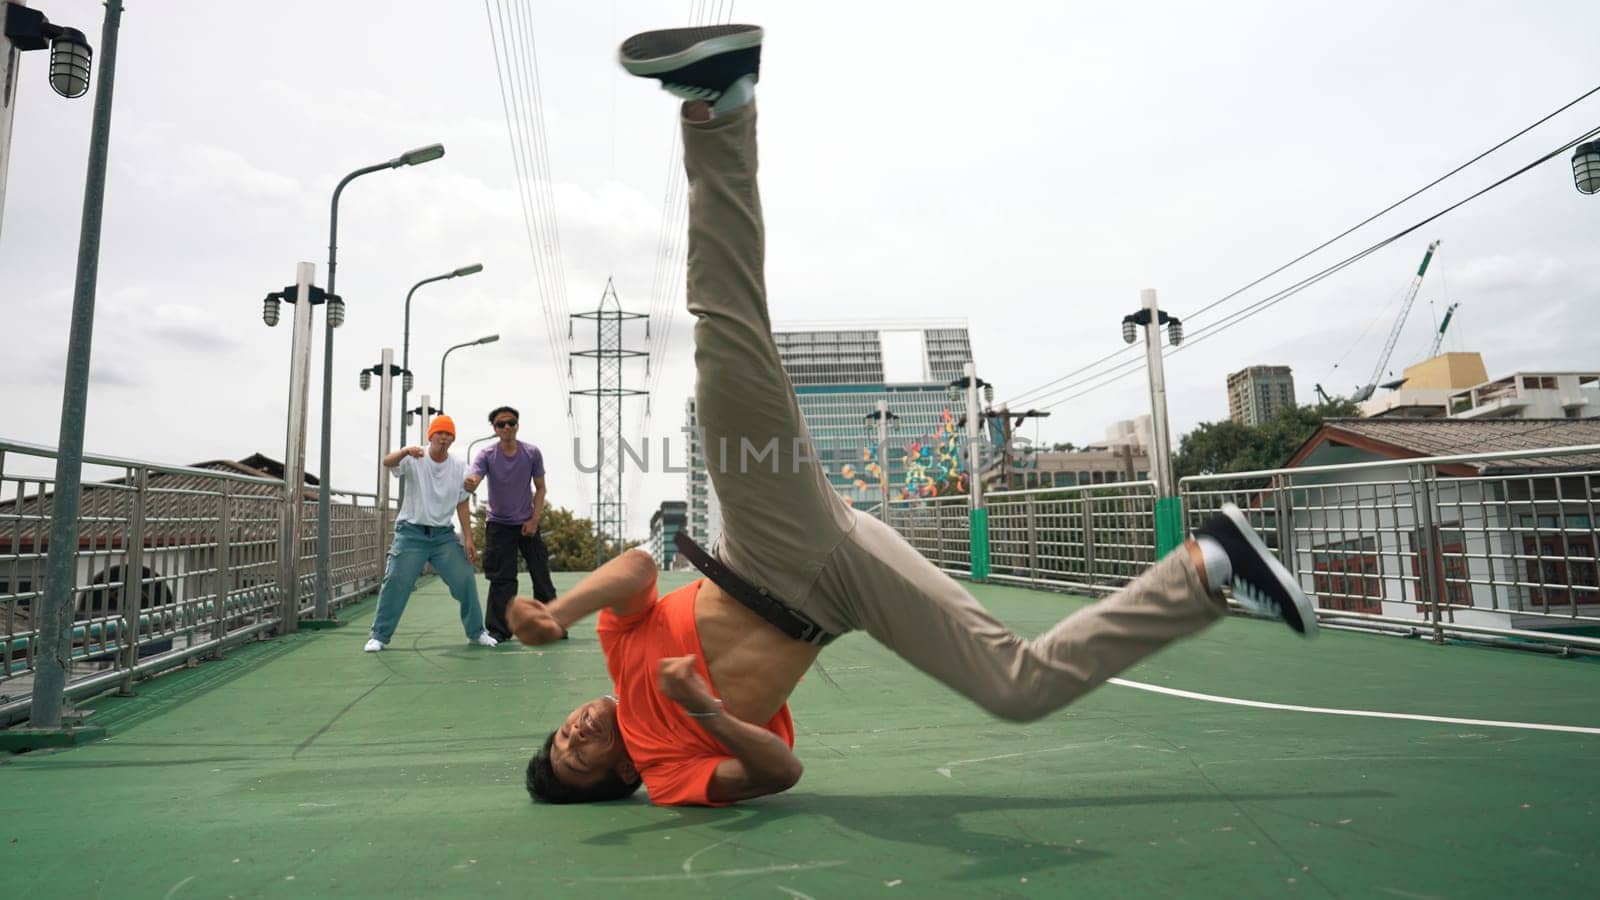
(674, 755)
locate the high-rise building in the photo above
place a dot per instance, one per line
(1258, 393)
(704, 517)
(665, 523)
(839, 375)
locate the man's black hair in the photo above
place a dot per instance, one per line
(500, 409)
(543, 785)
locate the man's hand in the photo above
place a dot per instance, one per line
(679, 681)
(530, 528)
(532, 623)
(471, 483)
(415, 451)
(472, 551)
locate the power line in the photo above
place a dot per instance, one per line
(1271, 300)
(668, 276)
(1022, 397)
(516, 73)
(1391, 207)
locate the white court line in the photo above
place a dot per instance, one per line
(718, 873)
(1362, 713)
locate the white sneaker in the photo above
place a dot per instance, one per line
(484, 640)
(373, 646)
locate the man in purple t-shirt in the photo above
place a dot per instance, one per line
(512, 526)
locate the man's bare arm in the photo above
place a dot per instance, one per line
(464, 514)
(762, 763)
(621, 584)
(392, 461)
(532, 525)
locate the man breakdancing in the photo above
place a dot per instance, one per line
(703, 675)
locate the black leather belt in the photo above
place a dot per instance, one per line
(783, 617)
(429, 530)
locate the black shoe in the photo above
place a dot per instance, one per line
(1260, 583)
(695, 63)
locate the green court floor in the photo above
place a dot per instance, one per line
(303, 767)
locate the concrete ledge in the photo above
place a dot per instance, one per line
(21, 740)
(321, 624)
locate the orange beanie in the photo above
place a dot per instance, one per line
(444, 424)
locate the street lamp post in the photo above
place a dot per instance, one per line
(425, 413)
(487, 339)
(27, 29)
(967, 386)
(882, 416)
(385, 370)
(470, 449)
(324, 543)
(303, 294)
(53, 655)
(405, 344)
(1169, 510)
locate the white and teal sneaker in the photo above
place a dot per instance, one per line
(695, 63)
(1261, 585)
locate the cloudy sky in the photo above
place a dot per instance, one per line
(1028, 167)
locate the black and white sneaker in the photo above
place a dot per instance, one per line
(695, 63)
(1260, 583)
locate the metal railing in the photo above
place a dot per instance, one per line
(1091, 537)
(937, 528)
(1493, 543)
(1491, 546)
(172, 563)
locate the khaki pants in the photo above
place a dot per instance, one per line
(785, 529)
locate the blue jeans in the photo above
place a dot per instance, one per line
(415, 545)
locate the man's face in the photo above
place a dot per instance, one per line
(505, 426)
(587, 745)
(439, 443)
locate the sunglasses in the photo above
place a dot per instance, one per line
(506, 423)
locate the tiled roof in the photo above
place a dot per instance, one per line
(176, 495)
(1457, 437)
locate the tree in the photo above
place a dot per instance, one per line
(1220, 447)
(569, 537)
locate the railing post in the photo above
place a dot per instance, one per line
(1283, 510)
(132, 593)
(978, 544)
(1169, 524)
(1422, 513)
(1033, 538)
(224, 580)
(1086, 499)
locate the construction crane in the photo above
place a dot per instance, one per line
(1438, 339)
(1364, 393)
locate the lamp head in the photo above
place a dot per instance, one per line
(418, 156)
(69, 63)
(489, 339)
(473, 269)
(1586, 167)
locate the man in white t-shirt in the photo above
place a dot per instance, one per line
(423, 534)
